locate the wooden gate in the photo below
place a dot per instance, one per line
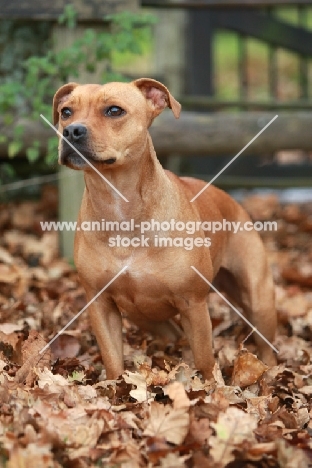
(265, 21)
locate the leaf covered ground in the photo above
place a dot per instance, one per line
(57, 409)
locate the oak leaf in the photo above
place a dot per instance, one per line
(135, 378)
(167, 422)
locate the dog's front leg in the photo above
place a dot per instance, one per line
(196, 324)
(106, 325)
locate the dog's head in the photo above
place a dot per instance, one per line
(107, 125)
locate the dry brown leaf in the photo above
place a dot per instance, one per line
(258, 406)
(8, 328)
(39, 456)
(130, 419)
(227, 354)
(262, 207)
(58, 268)
(256, 451)
(53, 382)
(71, 426)
(294, 306)
(12, 339)
(227, 395)
(303, 416)
(46, 248)
(152, 376)
(217, 375)
(247, 369)
(173, 460)
(87, 392)
(232, 428)
(200, 430)
(127, 457)
(23, 216)
(220, 397)
(291, 347)
(31, 358)
(3, 364)
(181, 373)
(306, 390)
(5, 256)
(293, 275)
(177, 394)
(167, 422)
(289, 457)
(135, 378)
(9, 274)
(196, 384)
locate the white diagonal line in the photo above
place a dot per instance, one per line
(84, 158)
(82, 310)
(232, 160)
(235, 310)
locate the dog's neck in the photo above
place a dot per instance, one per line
(142, 183)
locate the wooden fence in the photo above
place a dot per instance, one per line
(248, 19)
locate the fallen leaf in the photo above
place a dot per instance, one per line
(262, 207)
(177, 394)
(8, 328)
(137, 379)
(173, 460)
(9, 274)
(289, 457)
(5, 256)
(232, 429)
(200, 430)
(164, 421)
(306, 389)
(53, 382)
(217, 374)
(39, 456)
(32, 358)
(247, 369)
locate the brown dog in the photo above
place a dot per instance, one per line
(109, 125)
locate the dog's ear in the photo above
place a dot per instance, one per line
(158, 96)
(61, 94)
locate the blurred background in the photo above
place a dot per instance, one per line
(233, 65)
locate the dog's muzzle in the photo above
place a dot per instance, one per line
(76, 137)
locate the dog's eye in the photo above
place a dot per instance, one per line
(66, 113)
(114, 111)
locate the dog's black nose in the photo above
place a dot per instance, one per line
(75, 132)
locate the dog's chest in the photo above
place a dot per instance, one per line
(155, 291)
(146, 295)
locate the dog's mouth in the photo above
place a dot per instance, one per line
(71, 158)
(109, 161)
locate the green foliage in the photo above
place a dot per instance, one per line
(68, 17)
(31, 92)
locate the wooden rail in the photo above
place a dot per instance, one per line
(223, 133)
(87, 10)
(211, 103)
(221, 3)
(210, 134)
